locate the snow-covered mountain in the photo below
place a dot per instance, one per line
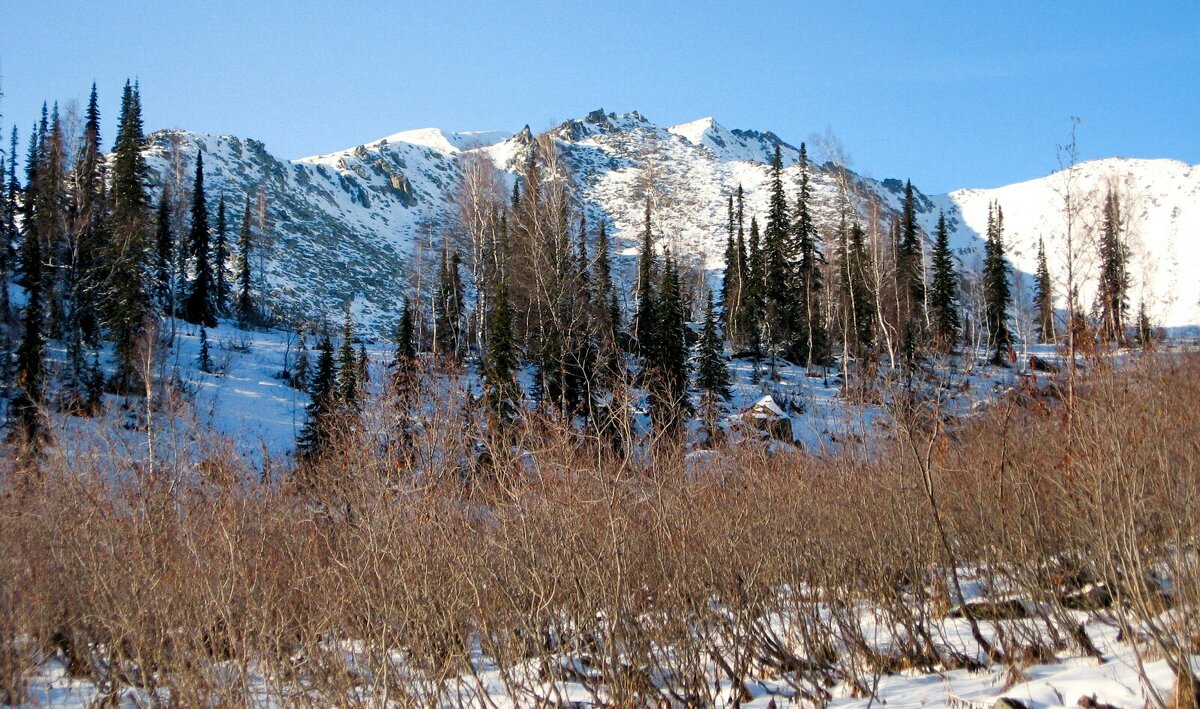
(344, 225)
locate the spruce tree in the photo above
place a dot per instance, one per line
(221, 261)
(731, 276)
(910, 277)
(607, 311)
(778, 295)
(349, 380)
(501, 393)
(449, 304)
(752, 300)
(810, 341)
(1043, 297)
(300, 370)
(712, 376)
(645, 321)
(1111, 299)
(943, 291)
(667, 376)
(89, 210)
(997, 293)
(127, 304)
(315, 435)
(858, 294)
(245, 302)
(404, 361)
(31, 353)
(200, 306)
(204, 359)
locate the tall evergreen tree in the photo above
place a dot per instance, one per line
(449, 305)
(89, 210)
(943, 291)
(1111, 293)
(349, 380)
(712, 375)
(200, 307)
(997, 292)
(780, 315)
(645, 321)
(910, 277)
(404, 361)
(301, 370)
(31, 354)
(245, 244)
(810, 341)
(857, 294)
(730, 278)
(667, 369)
(127, 304)
(321, 409)
(221, 261)
(753, 310)
(501, 392)
(1043, 297)
(607, 311)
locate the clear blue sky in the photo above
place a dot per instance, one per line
(950, 94)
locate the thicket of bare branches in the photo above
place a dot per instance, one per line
(422, 553)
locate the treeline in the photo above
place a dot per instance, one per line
(98, 260)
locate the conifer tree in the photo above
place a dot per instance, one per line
(204, 359)
(1146, 334)
(1111, 298)
(752, 299)
(349, 381)
(607, 311)
(89, 211)
(501, 392)
(245, 243)
(910, 277)
(1043, 297)
(943, 291)
(858, 294)
(404, 360)
(778, 293)
(314, 437)
(667, 370)
(712, 376)
(221, 260)
(997, 293)
(731, 277)
(31, 353)
(810, 341)
(300, 370)
(645, 321)
(6, 238)
(449, 305)
(127, 304)
(200, 306)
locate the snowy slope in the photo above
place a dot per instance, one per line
(1161, 204)
(344, 225)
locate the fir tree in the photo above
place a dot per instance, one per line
(910, 277)
(857, 289)
(127, 304)
(607, 311)
(810, 342)
(221, 258)
(349, 381)
(200, 307)
(1111, 298)
(943, 291)
(645, 321)
(667, 376)
(300, 370)
(315, 435)
(245, 244)
(501, 392)
(205, 358)
(752, 299)
(449, 305)
(1146, 334)
(1043, 297)
(731, 277)
(31, 353)
(712, 376)
(997, 293)
(404, 361)
(778, 295)
(89, 211)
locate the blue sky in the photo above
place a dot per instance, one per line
(950, 94)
